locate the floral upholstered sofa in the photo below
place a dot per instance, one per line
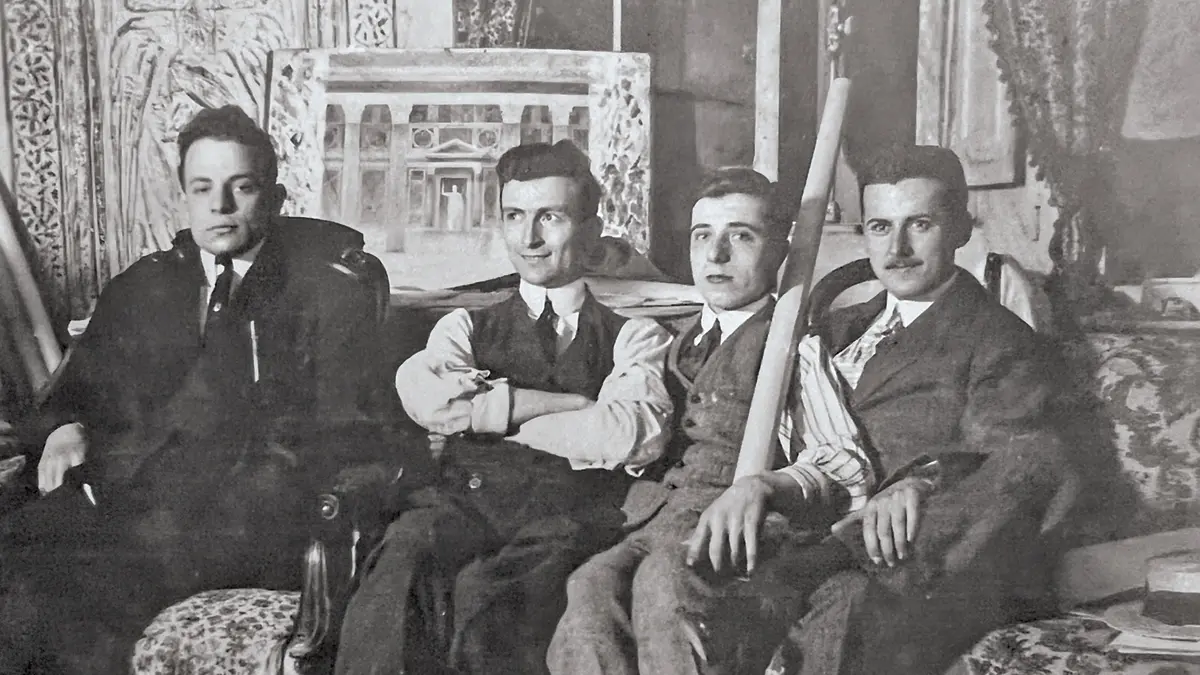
(1146, 385)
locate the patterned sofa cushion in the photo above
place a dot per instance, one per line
(1068, 646)
(1148, 389)
(229, 632)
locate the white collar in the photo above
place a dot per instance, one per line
(911, 309)
(566, 300)
(241, 263)
(729, 319)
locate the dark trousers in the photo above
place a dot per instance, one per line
(474, 579)
(80, 582)
(639, 608)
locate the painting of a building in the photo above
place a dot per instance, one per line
(429, 183)
(409, 143)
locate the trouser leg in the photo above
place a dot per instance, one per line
(430, 541)
(595, 635)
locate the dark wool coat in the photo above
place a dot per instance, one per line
(969, 384)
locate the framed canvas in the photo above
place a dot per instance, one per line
(402, 144)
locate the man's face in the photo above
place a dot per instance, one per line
(546, 235)
(228, 203)
(734, 261)
(911, 236)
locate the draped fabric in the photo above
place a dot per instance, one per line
(1067, 64)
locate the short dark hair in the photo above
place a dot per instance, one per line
(899, 161)
(742, 180)
(564, 159)
(230, 123)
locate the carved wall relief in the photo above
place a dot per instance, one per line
(54, 113)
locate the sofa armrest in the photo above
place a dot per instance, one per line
(348, 521)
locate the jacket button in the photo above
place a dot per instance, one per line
(689, 423)
(476, 481)
(694, 398)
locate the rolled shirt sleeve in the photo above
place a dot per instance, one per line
(443, 391)
(826, 445)
(628, 424)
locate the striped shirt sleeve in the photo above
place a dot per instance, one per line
(824, 443)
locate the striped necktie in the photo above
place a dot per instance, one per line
(851, 361)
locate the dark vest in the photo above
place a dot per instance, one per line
(712, 409)
(512, 484)
(504, 342)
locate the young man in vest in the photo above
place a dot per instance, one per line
(552, 403)
(644, 605)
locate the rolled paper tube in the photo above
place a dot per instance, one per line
(787, 321)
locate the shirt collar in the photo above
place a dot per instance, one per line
(241, 263)
(911, 309)
(730, 319)
(566, 300)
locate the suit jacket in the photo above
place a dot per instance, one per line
(138, 377)
(969, 384)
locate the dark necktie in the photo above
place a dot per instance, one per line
(698, 355)
(226, 337)
(218, 302)
(547, 331)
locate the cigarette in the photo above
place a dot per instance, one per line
(254, 349)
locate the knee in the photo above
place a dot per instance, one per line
(589, 588)
(658, 585)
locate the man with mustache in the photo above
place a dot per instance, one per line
(553, 403)
(645, 605)
(188, 417)
(958, 398)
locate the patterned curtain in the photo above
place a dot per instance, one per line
(493, 23)
(1067, 64)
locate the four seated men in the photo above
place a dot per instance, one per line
(586, 519)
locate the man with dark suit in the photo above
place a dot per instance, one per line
(185, 419)
(956, 395)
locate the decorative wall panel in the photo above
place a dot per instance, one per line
(52, 106)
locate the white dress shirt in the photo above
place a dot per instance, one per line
(443, 390)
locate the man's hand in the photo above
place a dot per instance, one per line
(65, 447)
(890, 520)
(733, 520)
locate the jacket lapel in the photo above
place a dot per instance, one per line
(926, 334)
(264, 280)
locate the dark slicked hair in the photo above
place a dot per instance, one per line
(742, 180)
(564, 159)
(893, 163)
(230, 123)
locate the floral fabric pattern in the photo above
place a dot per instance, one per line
(1071, 646)
(227, 632)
